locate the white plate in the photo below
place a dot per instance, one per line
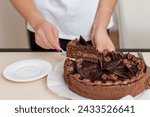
(27, 70)
(56, 84)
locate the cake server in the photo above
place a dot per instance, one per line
(63, 52)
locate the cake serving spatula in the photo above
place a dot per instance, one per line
(63, 52)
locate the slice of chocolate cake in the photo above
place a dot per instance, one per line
(106, 75)
(80, 49)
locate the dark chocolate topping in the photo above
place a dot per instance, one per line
(112, 66)
(105, 66)
(82, 41)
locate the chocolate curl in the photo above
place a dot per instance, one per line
(107, 59)
(113, 64)
(112, 55)
(105, 53)
(101, 60)
(138, 60)
(78, 76)
(140, 66)
(68, 62)
(134, 59)
(119, 74)
(131, 66)
(130, 56)
(69, 69)
(105, 77)
(79, 62)
(120, 54)
(138, 74)
(98, 82)
(113, 77)
(109, 77)
(87, 80)
(127, 63)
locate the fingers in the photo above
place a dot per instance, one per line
(52, 38)
(46, 36)
(56, 35)
(103, 44)
(42, 41)
(107, 46)
(112, 48)
(101, 49)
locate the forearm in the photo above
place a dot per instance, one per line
(104, 13)
(29, 11)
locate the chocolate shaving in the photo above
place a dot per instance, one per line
(82, 41)
(132, 68)
(112, 55)
(113, 77)
(140, 66)
(129, 56)
(138, 73)
(134, 58)
(107, 59)
(86, 69)
(105, 53)
(120, 75)
(101, 60)
(107, 77)
(111, 66)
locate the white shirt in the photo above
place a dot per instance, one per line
(72, 17)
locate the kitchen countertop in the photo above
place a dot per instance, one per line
(34, 90)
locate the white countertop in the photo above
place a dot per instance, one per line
(36, 90)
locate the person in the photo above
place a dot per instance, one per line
(53, 23)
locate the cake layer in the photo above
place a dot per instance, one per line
(94, 75)
(107, 92)
(75, 50)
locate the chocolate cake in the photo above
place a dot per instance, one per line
(106, 75)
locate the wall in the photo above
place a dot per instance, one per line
(134, 23)
(12, 27)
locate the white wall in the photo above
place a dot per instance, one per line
(134, 23)
(12, 27)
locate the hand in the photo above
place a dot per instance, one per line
(101, 40)
(46, 35)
